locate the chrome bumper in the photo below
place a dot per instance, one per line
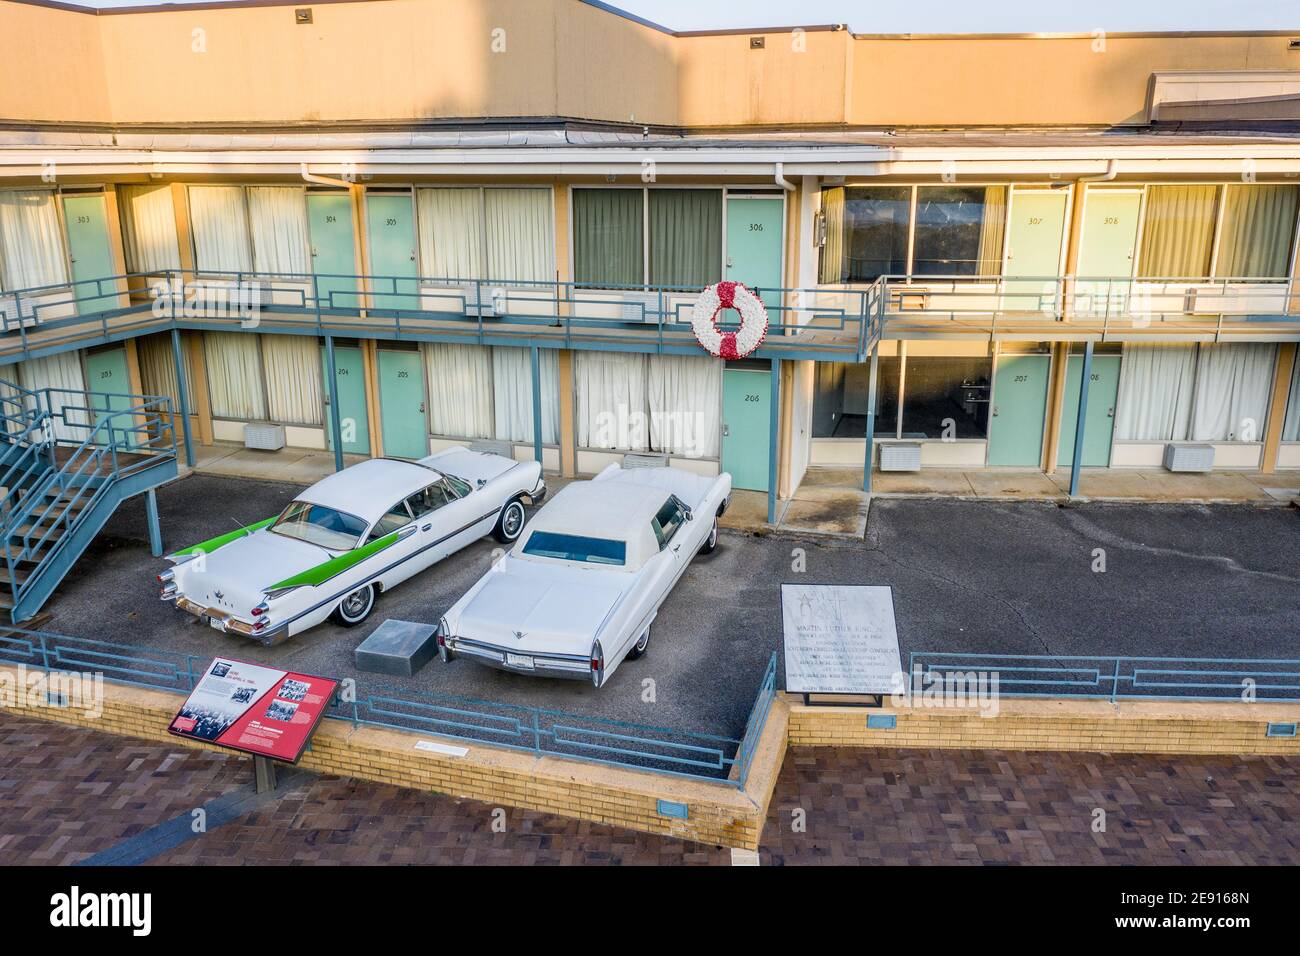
(538, 494)
(565, 666)
(228, 624)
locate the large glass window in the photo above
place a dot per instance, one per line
(870, 224)
(219, 219)
(840, 399)
(607, 237)
(1178, 231)
(476, 391)
(685, 236)
(959, 230)
(1259, 223)
(947, 397)
(31, 242)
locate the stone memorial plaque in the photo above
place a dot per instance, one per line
(839, 640)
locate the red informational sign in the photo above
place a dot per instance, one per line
(256, 709)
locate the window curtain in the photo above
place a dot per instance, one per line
(31, 241)
(293, 379)
(832, 258)
(512, 394)
(1155, 392)
(219, 220)
(460, 391)
(607, 237)
(451, 233)
(1178, 232)
(685, 237)
(1258, 229)
(61, 371)
(520, 239)
(1233, 383)
(278, 222)
(234, 376)
(1291, 427)
(613, 412)
(685, 399)
(993, 230)
(158, 369)
(149, 228)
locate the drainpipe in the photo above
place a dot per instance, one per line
(1112, 170)
(311, 177)
(781, 180)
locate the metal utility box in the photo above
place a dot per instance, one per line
(900, 456)
(1189, 457)
(264, 436)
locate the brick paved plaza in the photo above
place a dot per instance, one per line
(67, 794)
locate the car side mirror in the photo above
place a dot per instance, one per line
(690, 515)
(482, 482)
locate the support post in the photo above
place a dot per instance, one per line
(155, 530)
(1084, 380)
(332, 385)
(871, 416)
(264, 773)
(774, 441)
(537, 404)
(182, 398)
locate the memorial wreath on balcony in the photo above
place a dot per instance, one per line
(753, 320)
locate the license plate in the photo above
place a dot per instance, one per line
(217, 624)
(520, 660)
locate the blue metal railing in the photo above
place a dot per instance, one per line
(665, 750)
(1116, 678)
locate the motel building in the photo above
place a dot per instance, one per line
(385, 227)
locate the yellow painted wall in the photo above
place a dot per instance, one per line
(408, 60)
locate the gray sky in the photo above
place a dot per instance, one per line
(955, 16)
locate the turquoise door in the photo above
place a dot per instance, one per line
(390, 224)
(329, 222)
(1019, 402)
(746, 427)
(401, 405)
(1102, 392)
(106, 373)
(91, 252)
(1107, 246)
(353, 421)
(1034, 249)
(754, 247)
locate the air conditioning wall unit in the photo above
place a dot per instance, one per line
(900, 456)
(1189, 457)
(644, 461)
(264, 436)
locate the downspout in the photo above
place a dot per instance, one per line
(781, 180)
(311, 177)
(1112, 170)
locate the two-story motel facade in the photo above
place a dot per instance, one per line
(391, 226)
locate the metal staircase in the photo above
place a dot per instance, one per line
(67, 460)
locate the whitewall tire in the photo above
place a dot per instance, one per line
(356, 607)
(510, 523)
(638, 650)
(711, 542)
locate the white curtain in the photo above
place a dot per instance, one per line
(521, 242)
(512, 394)
(234, 376)
(293, 379)
(613, 412)
(460, 390)
(685, 394)
(149, 228)
(1291, 428)
(1233, 383)
(1155, 392)
(219, 220)
(61, 371)
(451, 233)
(31, 242)
(277, 218)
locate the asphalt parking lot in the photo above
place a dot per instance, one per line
(1016, 578)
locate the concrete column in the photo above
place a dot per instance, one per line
(535, 360)
(774, 442)
(872, 386)
(568, 433)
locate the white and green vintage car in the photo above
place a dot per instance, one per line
(348, 538)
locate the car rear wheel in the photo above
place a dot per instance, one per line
(642, 643)
(356, 607)
(711, 542)
(511, 522)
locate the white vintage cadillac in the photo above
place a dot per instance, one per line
(348, 538)
(579, 591)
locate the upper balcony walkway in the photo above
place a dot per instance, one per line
(828, 323)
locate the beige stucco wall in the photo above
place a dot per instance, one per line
(408, 60)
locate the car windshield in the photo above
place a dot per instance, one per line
(319, 525)
(572, 547)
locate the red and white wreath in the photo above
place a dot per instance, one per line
(753, 320)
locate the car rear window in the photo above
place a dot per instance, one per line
(572, 547)
(319, 525)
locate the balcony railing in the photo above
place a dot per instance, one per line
(812, 323)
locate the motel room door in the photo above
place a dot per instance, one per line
(106, 371)
(90, 250)
(333, 250)
(353, 410)
(1034, 249)
(754, 246)
(1019, 403)
(390, 224)
(401, 404)
(1103, 389)
(1107, 249)
(746, 427)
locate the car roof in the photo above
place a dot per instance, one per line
(612, 510)
(370, 488)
